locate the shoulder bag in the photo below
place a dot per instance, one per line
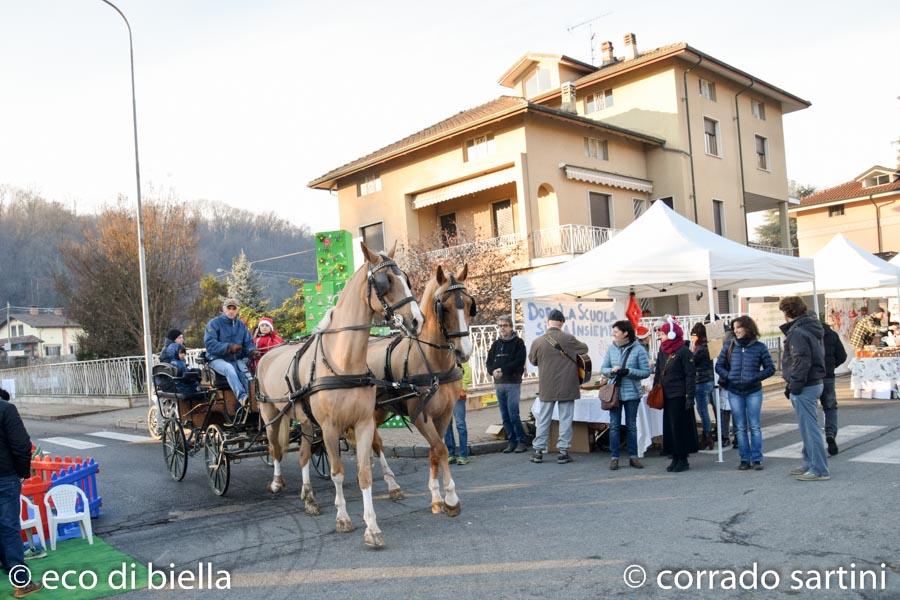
(655, 398)
(609, 394)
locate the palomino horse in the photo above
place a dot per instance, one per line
(330, 370)
(444, 341)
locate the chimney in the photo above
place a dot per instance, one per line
(568, 97)
(631, 51)
(607, 51)
(33, 311)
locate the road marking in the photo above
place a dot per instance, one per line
(888, 454)
(845, 434)
(769, 431)
(71, 443)
(125, 437)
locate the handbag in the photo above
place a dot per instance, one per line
(655, 398)
(610, 396)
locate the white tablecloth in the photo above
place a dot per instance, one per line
(874, 377)
(587, 410)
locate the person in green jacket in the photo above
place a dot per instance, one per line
(459, 417)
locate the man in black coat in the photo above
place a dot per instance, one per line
(835, 355)
(15, 465)
(506, 363)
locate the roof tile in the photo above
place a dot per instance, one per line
(846, 191)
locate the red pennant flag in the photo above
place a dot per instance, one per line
(633, 312)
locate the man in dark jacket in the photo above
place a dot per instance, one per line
(803, 368)
(554, 353)
(228, 346)
(835, 355)
(506, 363)
(15, 465)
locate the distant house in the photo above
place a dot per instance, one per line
(38, 333)
(865, 209)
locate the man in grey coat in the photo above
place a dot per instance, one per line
(554, 354)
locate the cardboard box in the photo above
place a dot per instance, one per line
(581, 437)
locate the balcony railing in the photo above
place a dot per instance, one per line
(773, 249)
(503, 241)
(569, 239)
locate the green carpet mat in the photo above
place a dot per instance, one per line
(79, 556)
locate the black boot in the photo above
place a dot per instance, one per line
(672, 464)
(682, 465)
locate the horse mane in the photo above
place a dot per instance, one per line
(428, 295)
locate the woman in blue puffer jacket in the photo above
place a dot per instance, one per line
(742, 366)
(628, 373)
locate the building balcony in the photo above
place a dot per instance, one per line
(569, 240)
(511, 240)
(773, 249)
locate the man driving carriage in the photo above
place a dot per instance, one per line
(229, 347)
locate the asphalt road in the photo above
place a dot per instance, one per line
(526, 531)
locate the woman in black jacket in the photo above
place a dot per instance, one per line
(703, 366)
(675, 371)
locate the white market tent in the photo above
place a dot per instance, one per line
(882, 292)
(662, 254)
(840, 265)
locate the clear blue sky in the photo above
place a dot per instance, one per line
(246, 101)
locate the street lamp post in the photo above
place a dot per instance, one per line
(142, 263)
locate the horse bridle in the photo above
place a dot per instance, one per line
(380, 283)
(459, 290)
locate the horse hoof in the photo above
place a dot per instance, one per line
(437, 508)
(276, 485)
(344, 526)
(312, 509)
(397, 494)
(453, 511)
(373, 540)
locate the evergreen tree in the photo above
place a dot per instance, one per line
(244, 286)
(207, 305)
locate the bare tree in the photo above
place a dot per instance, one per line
(101, 284)
(491, 268)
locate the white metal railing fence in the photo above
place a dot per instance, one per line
(773, 249)
(569, 239)
(106, 377)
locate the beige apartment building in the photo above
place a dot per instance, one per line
(865, 209)
(578, 151)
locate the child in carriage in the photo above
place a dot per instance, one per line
(264, 338)
(176, 355)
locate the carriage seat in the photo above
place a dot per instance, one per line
(165, 382)
(212, 378)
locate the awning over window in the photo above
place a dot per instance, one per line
(604, 178)
(464, 188)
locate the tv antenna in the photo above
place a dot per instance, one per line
(590, 24)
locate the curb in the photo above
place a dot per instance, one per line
(417, 451)
(61, 417)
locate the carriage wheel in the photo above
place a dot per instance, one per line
(218, 467)
(319, 458)
(153, 423)
(174, 449)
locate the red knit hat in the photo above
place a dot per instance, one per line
(266, 320)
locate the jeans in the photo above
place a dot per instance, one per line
(237, 375)
(508, 395)
(701, 401)
(566, 414)
(615, 423)
(829, 406)
(12, 552)
(747, 411)
(459, 417)
(814, 458)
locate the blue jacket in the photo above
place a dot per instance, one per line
(638, 368)
(170, 352)
(750, 364)
(221, 332)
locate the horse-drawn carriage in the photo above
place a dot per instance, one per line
(208, 420)
(309, 395)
